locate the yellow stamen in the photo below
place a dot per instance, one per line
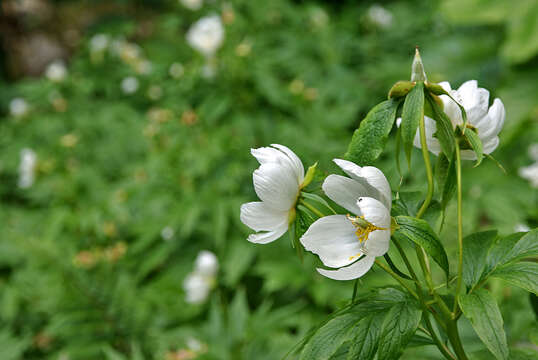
(364, 227)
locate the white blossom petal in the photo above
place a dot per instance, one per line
(276, 185)
(373, 180)
(294, 159)
(378, 243)
(374, 212)
(333, 239)
(344, 191)
(353, 271)
(269, 236)
(260, 217)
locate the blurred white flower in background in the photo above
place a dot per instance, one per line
(202, 279)
(129, 85)
(192, 4)
(206, 35)
(56, 71)
(277, 183)
(380, 16)
(521, 228)
(99, 43)
(18, 107)
(176, 70)
(27, 168)
(167, 233)
(530, 172)
(487, 121)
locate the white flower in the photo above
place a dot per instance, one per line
(351, 243)
(129, 85)
(56, 71)
(380, 16)
(197, 288)
(206, 35)
(206, 263)
(27, 168)
(521, 228)
(530, 173)
(176, 70)
(192, 4)
(533, 151)
(167, 233)
(277, 183)
(487, 122)
(99, 42)
(198, 284)
(18, 107)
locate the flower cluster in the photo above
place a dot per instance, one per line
(202, 279)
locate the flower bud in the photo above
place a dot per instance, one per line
(309, 175)
(435, 89)
(417, 69)
(401, 88)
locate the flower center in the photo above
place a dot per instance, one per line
(364, 228)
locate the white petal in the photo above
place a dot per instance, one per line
(377, 243)
(350, 272)
(467, 92)
(297, 164)
(451, 108)
(374, 211)
(371, 178)
(344, 191)
(281, 155)
(269, 236)
(258, 216)
(276, 185)
(497, 113)
(490, 145)
(333, 239)
(468, 155)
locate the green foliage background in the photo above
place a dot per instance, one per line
(314, 70)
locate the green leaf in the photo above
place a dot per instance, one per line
(512, 248)
(398, 328)
(365, 338)
(522, 274)
(412, 112)
(329, 338)
(476, 145)
(449, 185)
(482, 311)
(395, 268)
(475, 250)
(445, 131)
(420, 233)
(369, 139)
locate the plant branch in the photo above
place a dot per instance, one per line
(460, 229)
(395, 276)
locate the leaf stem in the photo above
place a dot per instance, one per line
(312, 208)
(454, 337)
(395, 276)
(460, 229)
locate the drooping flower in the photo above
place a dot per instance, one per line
(206, 35)
(27, 168)
(351, 242)
(487, 121)
(56, 71)
(18, 107)
(201, 280)
(277, 183)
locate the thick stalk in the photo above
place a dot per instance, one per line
(423, 259)
(440, 345)
(460, 227)
(454, 337)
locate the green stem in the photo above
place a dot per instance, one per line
(442, 347)
(454, 337)
(429, 172)
(311, 208)
(395, 276)
(460, 228)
